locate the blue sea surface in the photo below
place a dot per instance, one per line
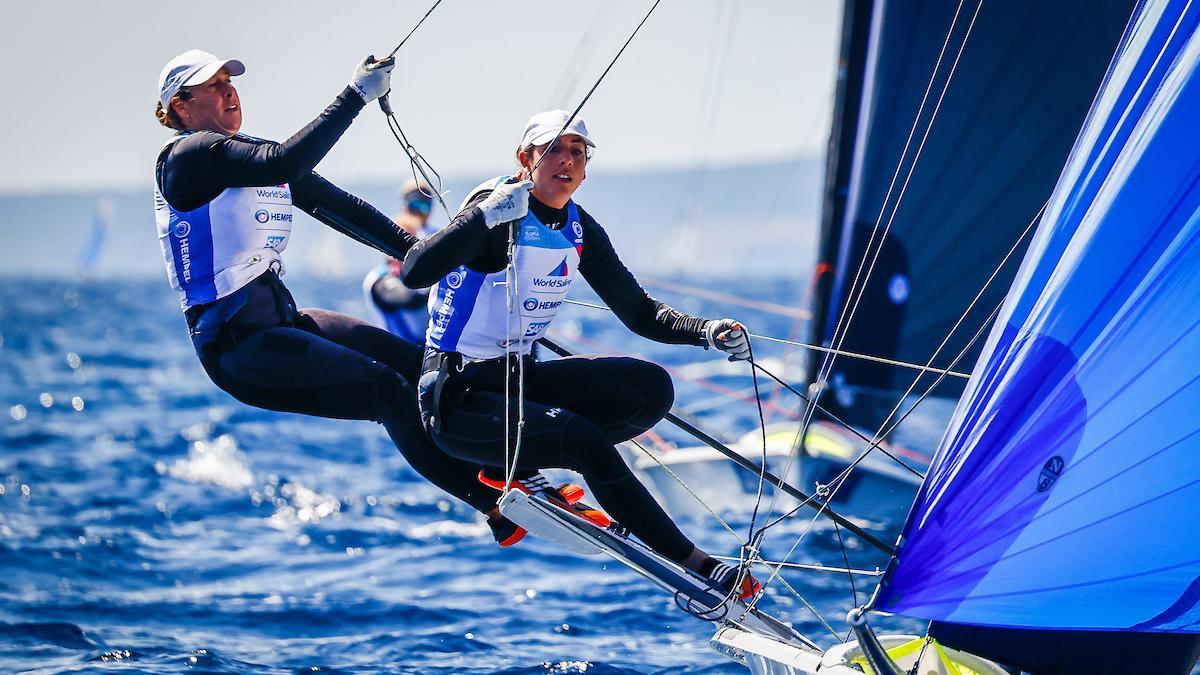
(151, 523)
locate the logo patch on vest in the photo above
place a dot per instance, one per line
(535, 328)
(531, 304)
(182, 229)
(559, 277)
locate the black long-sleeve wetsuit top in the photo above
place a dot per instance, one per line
(468, 241)
(198, 167)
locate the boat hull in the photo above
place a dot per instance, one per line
(687, 480)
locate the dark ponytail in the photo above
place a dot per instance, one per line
(167, 116)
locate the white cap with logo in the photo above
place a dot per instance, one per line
(191, 68)
(544, 126)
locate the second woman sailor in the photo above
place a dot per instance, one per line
(575, 409)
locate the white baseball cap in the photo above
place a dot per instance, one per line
(190, 68)
(544, 126)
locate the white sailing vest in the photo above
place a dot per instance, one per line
(468, 310)
(217, 248)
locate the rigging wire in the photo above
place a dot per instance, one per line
(846, 558)
(753, 539)
(414, 29)
(847, 317)
(802, 566)
(840, 479)
(565, 89)
(723, 26)
(873, 444)
(864, 357)
(591, 91)
(708, 294)
(718, 614)
(749, 550)
(842, 325)
(916, 666)
(813, 568)
(687, 488)
(842, 328)
(510, 298)
(417, 162)
(804, 345)
(691, 429)
(511, 279)
(907, 179)
(885, 431)
(748, 555)
(741, 461)
(808, 528)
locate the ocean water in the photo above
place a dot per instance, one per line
(150, 523)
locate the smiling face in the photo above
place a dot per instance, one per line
(560, 173)
(211, 106)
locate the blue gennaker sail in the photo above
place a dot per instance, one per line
(1066, 493)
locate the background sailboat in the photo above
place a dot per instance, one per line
(951, 122)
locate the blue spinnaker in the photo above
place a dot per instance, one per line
(1066, 491)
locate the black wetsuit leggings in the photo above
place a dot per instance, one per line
(575, 410)
(257, 347)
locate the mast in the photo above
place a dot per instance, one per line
(856, 23)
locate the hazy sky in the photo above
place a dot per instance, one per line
(81, 80)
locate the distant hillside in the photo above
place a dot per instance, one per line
(756, 219)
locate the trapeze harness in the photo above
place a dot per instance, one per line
(221, 245)
(575, 409)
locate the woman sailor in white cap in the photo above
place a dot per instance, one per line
(223, 203)
(575, 409)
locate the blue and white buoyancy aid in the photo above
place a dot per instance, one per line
(408, 322)
(468, 310)
(217, 248)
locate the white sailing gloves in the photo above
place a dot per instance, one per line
(728, 336)
(506, 203)
(372, 78)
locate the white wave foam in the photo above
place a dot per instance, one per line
(449, 528)
(296, 505)
(218, 462)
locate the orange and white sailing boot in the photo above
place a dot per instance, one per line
(726, 577)
(506, 532)
(566, 496)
